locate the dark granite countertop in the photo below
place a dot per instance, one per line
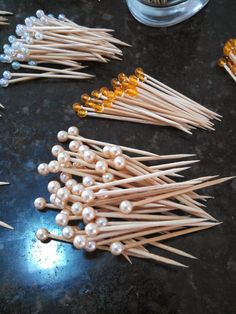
(55, 278)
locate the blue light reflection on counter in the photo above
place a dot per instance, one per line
(46, 255)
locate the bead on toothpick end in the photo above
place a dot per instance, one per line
(55, 47)
(126, 199)
(228, 62)
(141, 98)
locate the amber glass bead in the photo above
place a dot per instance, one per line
(90, 104)
(82, 113)
(118, 92)
(107, 103)
(76, 106)
(133, 80)
(104, 90)
(115, 82)
(85, 97)
(125, 85)
(95, 93)
(98, 107)
(131, 92)
(139, 71)
(221, 62)
(122, 77)
(227, 50)
(110, 95)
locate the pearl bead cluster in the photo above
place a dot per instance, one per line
(73, 197)
(117, 198)
(27, 45)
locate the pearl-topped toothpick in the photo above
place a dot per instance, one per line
(46, 46)
(3, 224)
(123, 202)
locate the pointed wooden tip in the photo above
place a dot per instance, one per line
(5, 225)
(4, 183)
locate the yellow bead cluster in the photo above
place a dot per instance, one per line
(229, 48)
(103, 98)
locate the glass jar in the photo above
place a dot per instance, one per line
(163, 13)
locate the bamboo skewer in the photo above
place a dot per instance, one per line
(124, 203)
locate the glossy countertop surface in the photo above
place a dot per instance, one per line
(54, 277)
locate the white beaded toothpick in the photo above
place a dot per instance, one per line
(124, 200)
(49, 47)
(141, 98)
(3, 224)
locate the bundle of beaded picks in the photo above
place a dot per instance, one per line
(141, 98)
(3, 224)
(123, 203)
(49, 47)
(228, 62)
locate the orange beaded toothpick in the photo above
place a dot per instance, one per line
(228, 62)
(141, 98)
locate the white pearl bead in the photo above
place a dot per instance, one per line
(73, 130)
(119, 162)
(63, 194)
(70, 183)
(83, 148)
(42, 234)
(116, 248)
(101, 221)
(103, 192)
(77, 189)
(68, 232)
(40, 203)
(115, 151)
(53, 186)
(90, 246)
(63, 157)
(88, 181)
(107, 177)
(62, 136)
(62, 219)
(126, 207)
(74, 146)
(52, 198)
(43, 169)
(106, 150)
(88, 214)
(64, 177)
(59, 203)
(56, 149)
(79, 241)
(91, 229)
(77, 208)
(89, 156)
(87, 196)
(101, 166)
(53, 166)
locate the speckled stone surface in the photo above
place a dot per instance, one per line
(55, 278)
